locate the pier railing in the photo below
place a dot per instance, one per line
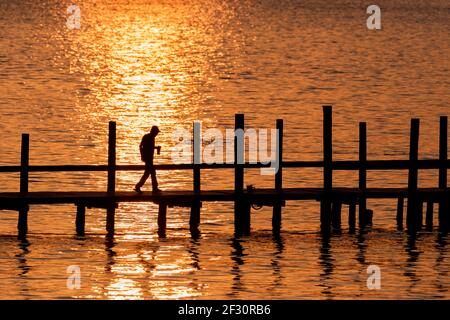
(330, 204)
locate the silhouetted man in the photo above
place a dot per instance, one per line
(147, 148)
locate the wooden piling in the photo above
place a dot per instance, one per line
(420, 204)
(162, 219)
(351, 217)
(111, 207)
(325, 204)
(112, 157)
(429, 216)
(110, 218)
(22, 223)
(196, 159)
(24, 163)
(194, 220)
(336, 210)
(277, 211)
(362, 173)
(400, 204)
(80, 219)
(444, 203)
(413, 205)
(239, 150)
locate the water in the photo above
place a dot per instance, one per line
(172, 62)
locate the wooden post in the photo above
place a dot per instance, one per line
(194, 220)
(22, 223)
(351, 216)
(429, 215)
(112, 157)
(400, 203)
(239, 150)
(325, 204)
(196, 159)
(362, 173)
(444, 205)
(162, 219)
(24, 163)
(413, 205)
(420, 203)
(111, 208)
(80, 219)
(336, 210)
(276, 217)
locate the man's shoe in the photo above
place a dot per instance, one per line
(137, 189)
(157, 190)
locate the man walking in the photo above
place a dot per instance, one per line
(147, 149)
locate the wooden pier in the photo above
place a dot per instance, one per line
(331, 198)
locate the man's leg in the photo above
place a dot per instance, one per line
(154, 180)
(144, 178)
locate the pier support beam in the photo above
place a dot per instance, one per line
(194, 221)
(110, 218)
(429, 216)
(162, 220)
(22, 224)
(276, 214)
(80, 220)
(336, 215)
(325, 204)
(352, 217)
(412, 212)
(444, 203)
(239, 204)
(420, 214)
(362, 218)
(400, 205)
(276, 219)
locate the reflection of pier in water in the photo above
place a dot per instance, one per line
(331, 198)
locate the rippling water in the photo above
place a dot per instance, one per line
(172, 62)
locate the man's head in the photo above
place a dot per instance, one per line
(154, 131)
